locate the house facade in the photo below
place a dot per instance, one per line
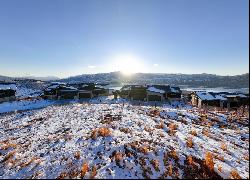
(74, 91)
(218, 99)
(7, 95)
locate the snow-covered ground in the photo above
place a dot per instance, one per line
(112, 139)
(21, 90)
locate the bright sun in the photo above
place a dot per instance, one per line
(127, 64)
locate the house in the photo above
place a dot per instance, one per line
(124, 91)
(7, 95)
(155, 94)
(174, 93)
(60, 91)
(85, 91)
(67, 92)
(219, 99)
(203, 98)
(138, 92)
(163, 92)
(51, 91)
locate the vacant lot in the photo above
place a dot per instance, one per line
(123, 141)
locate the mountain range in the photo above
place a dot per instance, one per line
(185, 80)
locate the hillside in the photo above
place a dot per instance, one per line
(189, 80)
(116, 140)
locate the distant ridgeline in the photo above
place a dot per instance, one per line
(189, 80)
(181, 80)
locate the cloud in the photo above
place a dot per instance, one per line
(155, 65)
(91, 66)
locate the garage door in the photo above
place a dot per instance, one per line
(84, 95)
(154, 98)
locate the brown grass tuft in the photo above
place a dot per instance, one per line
(160, 125)
(205, 132)
(190, 160)
(77, 155)
(209, 161)
(189, 142)
(155, 163)
(93, 172)
(223, 146)
(62, 175)
(220, 168)
(193, 132)
(234, 174)
(84, 169)
(144, 149)
(118, 156)
(173, 154)
(104, 132)
(94, 134)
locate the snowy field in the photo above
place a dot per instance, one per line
(120, 140)
(21, 90)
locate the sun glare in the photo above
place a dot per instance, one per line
(127, 64)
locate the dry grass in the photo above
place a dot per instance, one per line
(103, 131)
(246, 157)
(170, 170)
(118, 157)
(221, 158)
(173, 154)
(144, 149)
(172, 128)
(160, 125)
(125, 130)
(220, 168)
(209, 161)
(94, 134)
(223, 146)
(62, 175)
(93, 172)
(28, 162)
(234, 174)
(193, 132)
(206, 132)
(77, 154)
(155, 163)
(84, 169)
(189, 142)
(8, 156)
(190, 160)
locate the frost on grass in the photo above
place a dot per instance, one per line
(84, 140)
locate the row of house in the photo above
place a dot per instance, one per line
(150, 92)
(219, 99)
(74, 91)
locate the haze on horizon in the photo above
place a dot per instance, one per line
(65, 38)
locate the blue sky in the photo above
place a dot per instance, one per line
(71, 37)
